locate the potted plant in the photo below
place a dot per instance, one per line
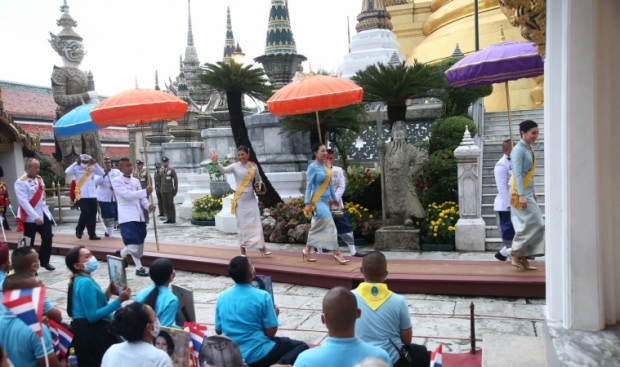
(438, 226)
(205, 209)
(218, 185)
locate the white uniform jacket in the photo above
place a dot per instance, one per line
(104, 187)
(503, 172)
(88, 190)
(25, 188)
(131, 198)
(339, 184)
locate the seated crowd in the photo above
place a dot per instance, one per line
(367, 327)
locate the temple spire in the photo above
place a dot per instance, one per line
(373, 16)
(279, 33)
(190, 35)
(156, 81)
(229, 45)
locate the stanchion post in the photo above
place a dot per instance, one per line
(59, 204)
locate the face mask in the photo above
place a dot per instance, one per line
(156, 329)
(84, 165)
(91, 265)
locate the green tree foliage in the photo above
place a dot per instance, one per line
(438, 182)
(237, 80)
(459, 99)
(394, 84)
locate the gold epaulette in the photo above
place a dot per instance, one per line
(39, 176)
(23, 178)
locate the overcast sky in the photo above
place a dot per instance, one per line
(127, 38)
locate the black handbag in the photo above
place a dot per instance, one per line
(414, 355)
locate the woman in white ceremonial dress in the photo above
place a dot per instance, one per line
(527, 220)
(244, 204)
(320, 196)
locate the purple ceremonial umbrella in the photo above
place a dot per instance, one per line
(497, 63)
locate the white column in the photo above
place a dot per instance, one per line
(581, 163)
(13, 167)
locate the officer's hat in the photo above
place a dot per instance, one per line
(138, 162)
(157, 164)
(164, 159)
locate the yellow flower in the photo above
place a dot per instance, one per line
(365, 209)
(436, 228)
(434, 234)
(451, 218)
(432, 222)
(370, 216)
(431, 227)
(417, 223)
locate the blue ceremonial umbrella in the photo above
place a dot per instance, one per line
(76, 122)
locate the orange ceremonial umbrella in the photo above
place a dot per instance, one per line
(139, 106)
(314, 93)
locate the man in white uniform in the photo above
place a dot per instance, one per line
(85, 169)
(131, 199)
(342, 224)
(106, 197)
(503, 172)
(33, 213)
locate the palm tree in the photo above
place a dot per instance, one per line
(237, 80)
(394, 84)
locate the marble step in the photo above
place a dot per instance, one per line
(491, 162)
(488, 208)
(498, 350)
(493, 232)
(490, 198)
(490, 171)
(492, 189)
(489, 219)
(490, 179)
(496, 146)
(493, 244)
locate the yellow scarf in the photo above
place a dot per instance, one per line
(514, 194)
(318, 193)
(244, 183)
(374, 294)
(85, 177)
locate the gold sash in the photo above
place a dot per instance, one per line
(373, 294)
(85, 177)
(514, 199)
(242, 186)
(318, 193)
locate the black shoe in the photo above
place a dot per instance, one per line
(162, 215)
(94, 238)
(359, 254)
(48, 267)
(106, 234)
(173, 222)
(499, 256)
(168, 221)
(118, 254)
(78, 234)
(324, 251)
(142, 272)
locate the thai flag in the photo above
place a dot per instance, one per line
(61, 338)
(27, 304)
(436, 357)
(197, 335)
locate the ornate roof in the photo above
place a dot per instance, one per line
(229, 46)
(279, 33)
(373, 16)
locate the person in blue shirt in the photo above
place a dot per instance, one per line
(22, 345)
(158, 296)
(25, 261)
(342, 348)
(88, 306)
(248, 316)
(385, 321)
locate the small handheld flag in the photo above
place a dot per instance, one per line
(27, 305)
(197, 335)
(436, 357)
(61, 337)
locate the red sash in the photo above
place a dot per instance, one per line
(33, 202)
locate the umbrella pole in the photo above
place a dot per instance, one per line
(509, 114)
(146, 160)
(318, 126)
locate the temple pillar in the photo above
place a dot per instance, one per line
(582, 170)
(13, 167)
(470, 228)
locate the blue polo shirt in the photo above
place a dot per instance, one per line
(243, 313)
(22, 345)
(89, 301)
(382, 327)
(340, 352)
(166, 305)
(47, 305)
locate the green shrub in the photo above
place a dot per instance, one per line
(438, 226)
(205, 216)
(292, 209)
(206, 208)
(447, 134)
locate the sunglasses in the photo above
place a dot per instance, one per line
(85, 162)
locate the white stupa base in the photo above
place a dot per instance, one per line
(199, 187)
(225, 221)
(368, 48)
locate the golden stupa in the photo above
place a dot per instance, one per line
(429, 30)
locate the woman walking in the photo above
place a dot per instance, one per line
(320, 196)
(525, 214)
(244, 205)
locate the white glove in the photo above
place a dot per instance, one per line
(10, 207)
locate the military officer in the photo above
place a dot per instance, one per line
(158, 171)
(169, 189)
(132, 200)
(145, 180)
(106, 197)
(85, 169)
(33, 214)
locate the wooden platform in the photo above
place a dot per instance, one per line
(448, 277)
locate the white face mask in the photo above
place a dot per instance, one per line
(156, 329)
(84, 165)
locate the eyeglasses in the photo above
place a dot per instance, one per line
(85, 162)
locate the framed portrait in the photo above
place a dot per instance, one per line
(186, 311)
(175, 342)
(263, 282)
(118, 276)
